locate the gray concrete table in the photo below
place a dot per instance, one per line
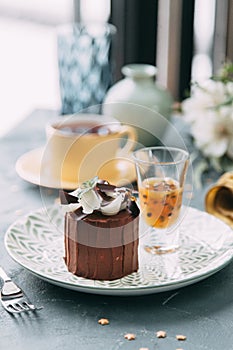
(69, 320)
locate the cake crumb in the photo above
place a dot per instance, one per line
(181, 337)
(103, 321)
(161, 334)
(130, 336)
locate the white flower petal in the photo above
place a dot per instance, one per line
(203, 130)
(229, 88)
(230, 149)
(217, 148)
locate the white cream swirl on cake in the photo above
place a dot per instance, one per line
(99, 195)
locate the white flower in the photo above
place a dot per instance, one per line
(209, 111)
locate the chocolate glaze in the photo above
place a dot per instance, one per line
(101, 247)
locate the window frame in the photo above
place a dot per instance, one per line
(160, 32)
(223, 36)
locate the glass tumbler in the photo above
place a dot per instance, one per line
(85, 63)
(161, 173)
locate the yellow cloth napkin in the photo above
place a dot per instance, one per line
(219, 199)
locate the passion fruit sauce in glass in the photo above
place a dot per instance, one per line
(161, 174)
(161, 201)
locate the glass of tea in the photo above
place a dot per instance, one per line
(161, 173)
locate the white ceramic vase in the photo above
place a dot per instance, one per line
(138, 101)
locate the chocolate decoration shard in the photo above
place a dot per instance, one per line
(66, 198)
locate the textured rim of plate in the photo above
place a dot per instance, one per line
(224, 258)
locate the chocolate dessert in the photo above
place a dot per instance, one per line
(101, 231)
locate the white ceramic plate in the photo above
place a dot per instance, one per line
(207, 246)
(119, 171)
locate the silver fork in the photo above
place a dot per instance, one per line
(13, 298)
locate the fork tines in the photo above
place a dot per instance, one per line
(12, 297)
(20, 306)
